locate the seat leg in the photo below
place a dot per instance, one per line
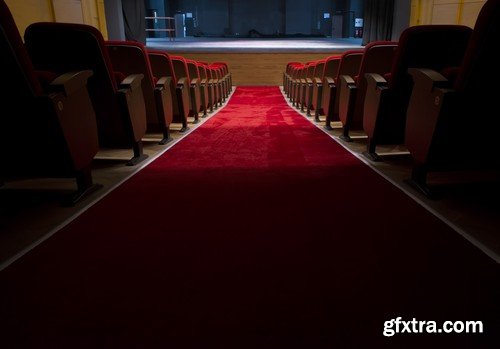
(139, 155)
(418, 181)
(166, 136)
(345, 134)
(370, 152)
(328, 123)
(184, 126)
(85, 187)
(316, 115)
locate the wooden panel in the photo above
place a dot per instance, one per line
(68, 11)
(470, 13)
(445, 13)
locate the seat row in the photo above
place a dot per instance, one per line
(434, 91)
(70, 93)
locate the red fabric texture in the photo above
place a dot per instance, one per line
(256, 231)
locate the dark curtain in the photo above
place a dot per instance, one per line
(378, 20)
(134, 12)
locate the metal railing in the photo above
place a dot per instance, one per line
(170, 27)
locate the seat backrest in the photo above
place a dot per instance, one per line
(225, 68)
(427, 46)
(16, 65)
(350, 62)
(202, 68)
(130, 57)
(310, 70)
(476, 77)
(193, 69)
(161, 64)
(319, 69)
(332, 66)
(181, 68)
(377, 58)
(290, 66)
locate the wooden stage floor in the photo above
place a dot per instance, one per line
(255, 61)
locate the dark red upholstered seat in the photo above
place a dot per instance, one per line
(48, 123)
(287, 75)
(161, 65)
(293, 82)
(377, 58)
(182, 71)
(314, 87)
(386, 102)
(349, 64)
(330, 72)
(207, 87)
(218, 71)
(131, 58)
(454, 124)
(304, 82)
(226, 74)
(218, 84)
(194, 73)
(119, 107)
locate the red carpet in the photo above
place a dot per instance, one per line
(256, 231)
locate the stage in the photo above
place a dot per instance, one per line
(258, 61)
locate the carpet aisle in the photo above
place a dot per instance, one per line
(256, 231)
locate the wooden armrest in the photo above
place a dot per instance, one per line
(317, 81)
(194, 81)
(164, 82)
(181, 82)
(309, 81)
(348, 80)
(203, 81)
(428, 79)
(329, 81)
(132, 81)
(70, 82)
(376, 80)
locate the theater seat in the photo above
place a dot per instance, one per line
(377, 58)
(306, 76)
(161, 65)
(315, 90)
(131, 58)
(386, 102)
(48, 126)
(287, 75)
(289, 79)
(119, 108)
(194, 72)
(349, 64)
(182, 71)
(207, 87)
(226, 75)
(297, 75)
(218, 72)
(454, 125)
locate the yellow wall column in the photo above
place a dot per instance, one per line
(89, 12)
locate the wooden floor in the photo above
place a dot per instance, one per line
(257, 69)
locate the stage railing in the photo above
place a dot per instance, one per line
(170, 26)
